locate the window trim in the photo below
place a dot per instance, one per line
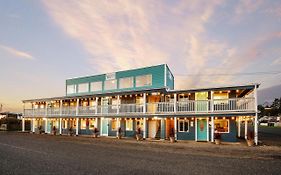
(183, 120)
(132, 82)
(228, 120)
(91, 86)
(143, 76)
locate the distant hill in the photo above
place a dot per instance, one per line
(267, 95)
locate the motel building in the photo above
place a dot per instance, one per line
(145, 99)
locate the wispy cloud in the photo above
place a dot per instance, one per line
(277, 61)
(126, 34)
(16, 53)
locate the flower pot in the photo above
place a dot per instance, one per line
(250, 142)
(139, 137)
(217, 141)
(172, 139)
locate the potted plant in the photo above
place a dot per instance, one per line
(217, 138)
(40, 129)
(250, 138)
(70, 131)
(172, 135)
(119, 134)
(95, 132)
(138, 134)
(54, 130)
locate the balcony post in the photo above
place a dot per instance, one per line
(77, 107)
(46, 126)
(175, 102)
(60, 107)
(246, 128)
(118, 125)
(212, 128)
(118, 103)
(46, 109)
(175, 127)
(144, 127)
(60, 125)
(212, 101)
(239, 127)
(144, 103)
(256, 116)
(33, 125)
(77, 127)
(96, 107)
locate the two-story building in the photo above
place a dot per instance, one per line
(145, 98)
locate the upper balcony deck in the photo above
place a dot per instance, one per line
(236, 100)
(190, 107)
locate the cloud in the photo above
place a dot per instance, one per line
(276, 61)
(127, 34)
(17, 53)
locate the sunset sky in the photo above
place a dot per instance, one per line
(205, 43)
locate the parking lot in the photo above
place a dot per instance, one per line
(24, 153)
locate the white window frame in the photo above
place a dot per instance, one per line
(127, 125)
(228, 120)
(94, 84)
(74, 89)
(183, 120)
(86, 86)
(147, 75)
(131, 79)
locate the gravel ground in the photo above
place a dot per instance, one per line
(24, 153)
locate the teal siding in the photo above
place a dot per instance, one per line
(169, 78)
(157, 72)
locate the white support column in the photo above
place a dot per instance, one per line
(46, 126)
(195, 129)
(33, 125)
(77, 127)
(208, 128)
(144, 103)
(60, 107)
(144, 118)
(212, 101)
(256, 116)
(212, 129)
(118, 104)
(97, 99)
(60, 125)
(239, 127)
(118, 125)
(144, 127)
(246, 128)
(23, 124)
(175, 102)
(175, 127)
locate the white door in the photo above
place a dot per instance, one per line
(104, 127)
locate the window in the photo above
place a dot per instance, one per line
(71, 89)
(92, 124)
(221, 125)
(83, 124)
(139, 124)
(129, 125)
(220, 98)
(84, 87)
(144, 80)
(110, 84)
(183, 125)
(126, 82)
(139, 100)
(64, 124)
(96, 86)
(114, 125)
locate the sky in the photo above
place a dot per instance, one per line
(205, 43)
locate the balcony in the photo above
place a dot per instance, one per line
(237, 105)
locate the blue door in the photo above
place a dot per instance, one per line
(104, 126)
(201, 130)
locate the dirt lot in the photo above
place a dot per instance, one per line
(24, 153)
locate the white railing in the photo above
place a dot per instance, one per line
(189, 106)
